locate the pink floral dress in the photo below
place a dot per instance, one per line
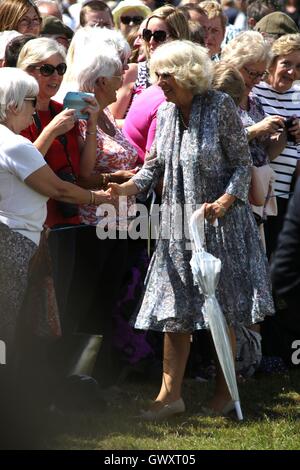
(113, 153)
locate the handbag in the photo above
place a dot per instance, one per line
(261, 194)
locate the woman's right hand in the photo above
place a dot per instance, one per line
(121, 176)
(62, 122)
(269, 125)
(116, 190)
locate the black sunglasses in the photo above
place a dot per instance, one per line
(33, 100)
(134, 19)
(158, 36)
(47, 69)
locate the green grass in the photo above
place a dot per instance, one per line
(271, 407)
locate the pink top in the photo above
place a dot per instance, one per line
(113, 153)
(140, 123)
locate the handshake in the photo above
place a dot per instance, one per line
(119, 185)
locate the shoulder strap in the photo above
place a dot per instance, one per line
(62, 138)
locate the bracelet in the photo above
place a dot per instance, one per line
(222, 207)
(93, 197)
(91, 132)
(105, 179)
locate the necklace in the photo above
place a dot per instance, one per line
(106, 125)
(185, 126)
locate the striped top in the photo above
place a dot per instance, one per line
(286, 105)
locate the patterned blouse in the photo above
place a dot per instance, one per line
(113, 153)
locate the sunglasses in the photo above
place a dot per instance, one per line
(47, 69)
(33, 100)
(134, 19)
(158, 36)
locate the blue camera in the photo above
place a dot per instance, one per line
(75, 100)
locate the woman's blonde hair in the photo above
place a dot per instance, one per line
(285, 45)
(38, 50)
(214, 10)
(245, 48)
(11, 11)
(228, 79)
(175, 20)
(188, 63)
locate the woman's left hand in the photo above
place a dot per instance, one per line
(92, 109)
(295, 130)
(213, 211)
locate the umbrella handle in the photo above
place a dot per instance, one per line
(197, 227)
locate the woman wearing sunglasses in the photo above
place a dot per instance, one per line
(20, 15)
(128, 14)
(56, 136)
(164, 25)
(26, 183)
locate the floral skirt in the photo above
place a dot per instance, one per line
(15, 254)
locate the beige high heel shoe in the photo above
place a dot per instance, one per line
(171, 409)
(206, 411)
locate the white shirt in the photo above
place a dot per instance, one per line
(21, 208)
(286, 105)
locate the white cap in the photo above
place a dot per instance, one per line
(5, 38)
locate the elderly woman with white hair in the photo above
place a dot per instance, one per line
(114, 160)
(82, 47)
(26, 182)
(55, 134)
(202, 153)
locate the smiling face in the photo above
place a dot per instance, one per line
(173, 91)
(48, 85)
(253, 73)
(284, 71)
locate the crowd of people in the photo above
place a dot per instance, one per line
(182, 104)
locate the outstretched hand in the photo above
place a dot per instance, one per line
(102, 197)
(116, 190)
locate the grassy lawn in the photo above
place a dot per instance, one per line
(271, 407)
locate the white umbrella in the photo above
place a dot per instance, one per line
(206, 271)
